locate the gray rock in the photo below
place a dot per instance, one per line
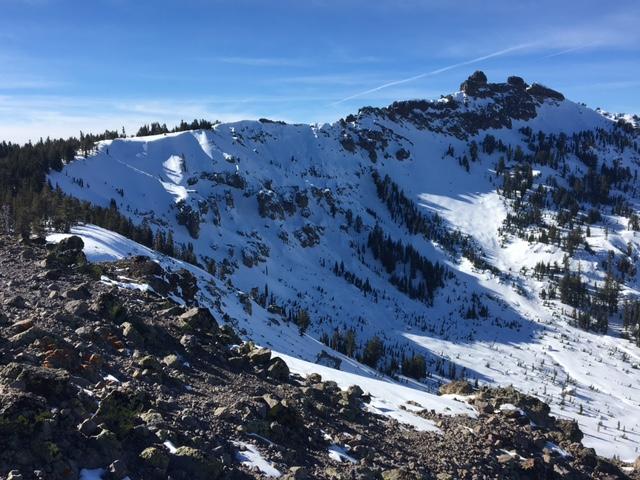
(117, 469)
(131, 333)
(457, 387)
(73, 243)
(77, 308)
(16, 301)
(155, 458)
(259, 356)
(198, 319)
(49, 383)
(278, 369)
(88, 427)
(195, 464)
(78, 293)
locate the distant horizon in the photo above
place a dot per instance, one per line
(71, 66)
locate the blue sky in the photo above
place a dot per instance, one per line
(67, 65)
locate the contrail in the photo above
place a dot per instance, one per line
(568, 50)
(435, 72)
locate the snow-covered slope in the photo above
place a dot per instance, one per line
(285, 214)
(389, 396)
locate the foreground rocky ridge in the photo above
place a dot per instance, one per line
(96, 376)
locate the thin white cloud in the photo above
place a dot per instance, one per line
(264, 61)
(347, 79)
(338, 57)
(435, 72)
(610, 85)
(30, 117)
(27, 83)
(567, 51)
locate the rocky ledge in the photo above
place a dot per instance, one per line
(93, 376)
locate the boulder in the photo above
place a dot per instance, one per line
(119, 411)
(354, 393)
(66, 253)
(259, 356)
(150, 362)
(483, 407)
(228, 336)
(237, 363)
(155, 458)
(77, 293)
(107, 443)
(19, 412)
(197, 318)
(21, 326)
(570, 430)
(172, 361)
(131, 333)
(88, 427)
(400, 474)
(222, 412)
(274, 406)
(195, 464)
(298, 473)
(457, 387)
(313, 378)
(77, 308)
(50, 383)
(278, 369)
(16, 301)
(588, 457)
(109, 305)
(71, 243)
(143, 266)
(27, 337)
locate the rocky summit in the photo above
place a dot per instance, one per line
(100, 379)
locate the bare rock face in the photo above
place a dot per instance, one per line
(472, 84)
(517, 82)
(542, 92)
(309, 235)
(269, 205)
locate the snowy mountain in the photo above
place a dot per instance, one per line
(492, 232)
